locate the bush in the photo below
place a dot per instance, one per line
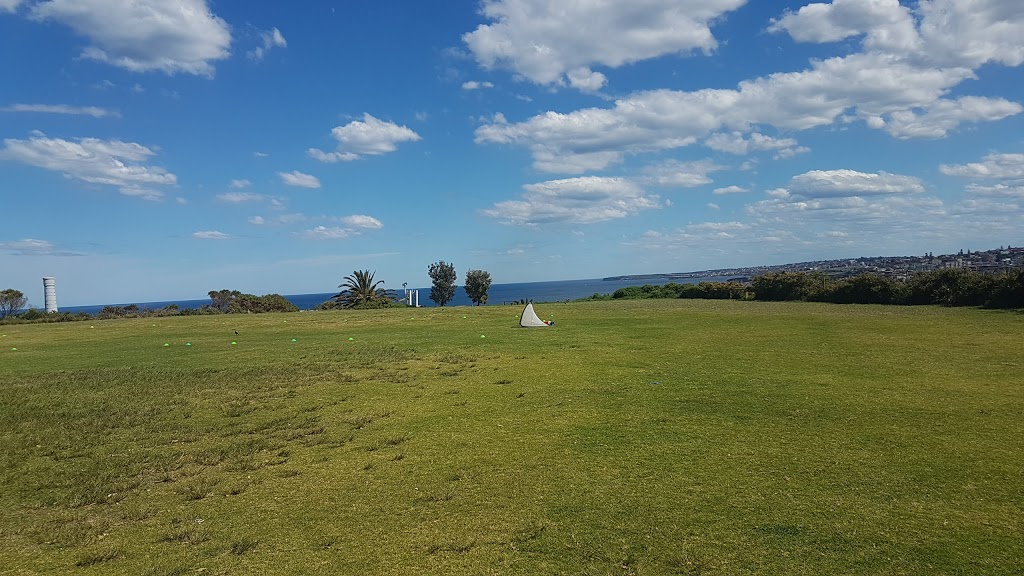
(251, 304)
(35, 315)
(862, 289)
(1007, 290)
(129, 311)
(201, 311)
(950, 287)
(782, 286)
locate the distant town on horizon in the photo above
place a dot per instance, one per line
(992, 261)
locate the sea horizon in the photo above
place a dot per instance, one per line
(499, 294)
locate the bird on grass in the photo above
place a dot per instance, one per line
(236, 332)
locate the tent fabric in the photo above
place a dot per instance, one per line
(529, 318)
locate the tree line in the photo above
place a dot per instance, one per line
(946, 287)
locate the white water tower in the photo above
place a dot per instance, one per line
(50, 293)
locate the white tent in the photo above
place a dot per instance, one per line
(529, 318)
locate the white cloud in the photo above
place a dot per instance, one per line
(362, 221)
(1006, 169)
(93, 111)
(1000, 166)
(729, 190)
(299, 179)
(949, 33)
(260, 154)
(887, 25)
(675, 174)
(474, 85)
(842, 183)
(105, 162)
(34, 247)
(735, 143)
(899, 81)
(325, 233)
(145, 35)
(271, 39)
(585, 200)
(713, 206)
(972, 32)
(586, 80)
(367, 137)
(210, 235)
(9, 5)
(331, 157)
(239, 197)
(238, 184)
(280, 220)
(944, 115)
(998, 190)
(543, 41)
(595, 138)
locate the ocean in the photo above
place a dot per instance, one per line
(556, 291)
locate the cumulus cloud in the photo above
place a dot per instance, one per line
(257, 220)
(362, 221)
(843, 183)
(676, 174)
(886, 24)
(1006, 169)
(972, 32)
(368, 137)
(474, 85)
(998, 190)
(736, 143)
(584, 200)
(545, 41)
(210, 235)
(325, 233)
(93, 111)
(729, 190)
(937, 119)
(585, 79)
(299, 179)
(271, 39)
(238, 184)
(145, 35)
(9, 5)
(1001, 166)
(104, 162)
(899, 81)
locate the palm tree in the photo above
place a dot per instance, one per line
(359, 290)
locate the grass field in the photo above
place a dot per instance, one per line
(644, 437)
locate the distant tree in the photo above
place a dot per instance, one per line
(862, 289)
(11, 301)
(779, 286)
(360, 291)
(442, 276)
(949, 287)
(252, 304)
(1007, 290)
(221, 299)
(478, 282)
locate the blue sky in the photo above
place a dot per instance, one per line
(158, 149)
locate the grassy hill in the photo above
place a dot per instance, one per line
(644, 437)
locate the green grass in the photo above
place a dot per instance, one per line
(644, 437)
